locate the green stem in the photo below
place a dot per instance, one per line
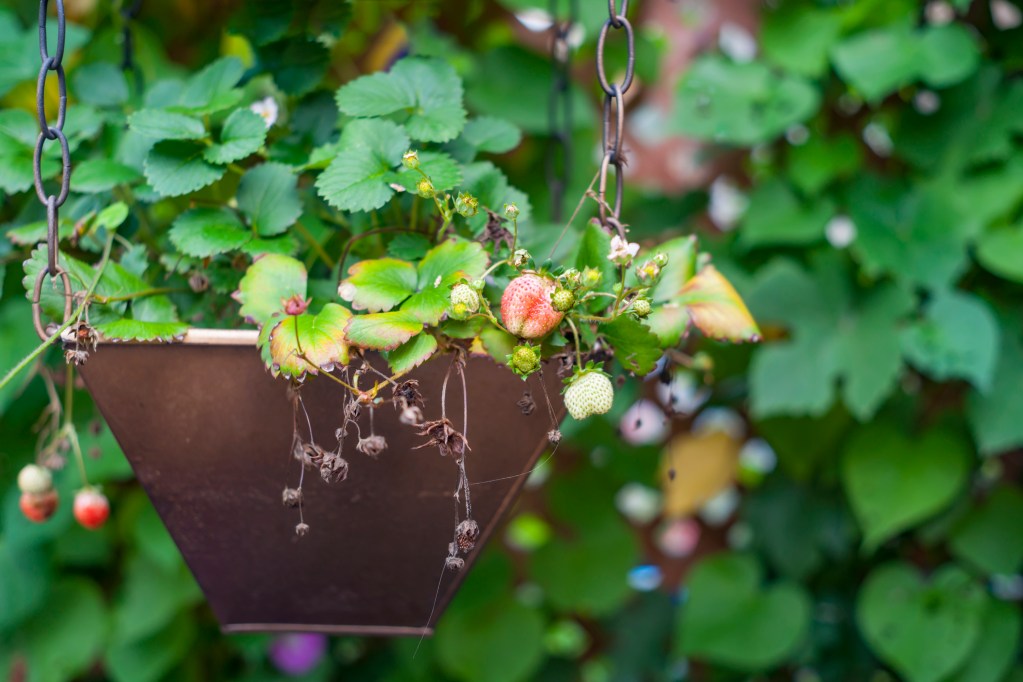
(575, 332)
(31, 357)
(321, 253)
(68, 428)
(155, 291)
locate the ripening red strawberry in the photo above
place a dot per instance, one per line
(91, 508)
(526, 307)
(38, 507)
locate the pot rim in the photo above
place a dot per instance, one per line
(196, 336)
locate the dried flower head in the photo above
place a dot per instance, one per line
(554, 436)
(291, 497)
(442, 433)
(454, 563)
(466, 535)
(411, 416)
(333, 468)
(372, 446)
(406, 394)
(302, 529)
(526, 403)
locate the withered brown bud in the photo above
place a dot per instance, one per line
(526, 403)
(291, 497)
(198, 282)
(466, 535)
(302, 529)
(334, 468)
(372, 446)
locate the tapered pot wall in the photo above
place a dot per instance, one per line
(208, 432)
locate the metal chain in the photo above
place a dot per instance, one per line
(559, 108)
(128, 13)
(614, 113)
(52, 202)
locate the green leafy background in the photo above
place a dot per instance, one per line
(884, 544)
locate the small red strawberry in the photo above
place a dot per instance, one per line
(526, 307)
(38, 507)
(91, 508)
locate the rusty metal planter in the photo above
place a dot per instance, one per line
(208, 432)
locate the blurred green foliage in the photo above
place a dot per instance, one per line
(877, 143)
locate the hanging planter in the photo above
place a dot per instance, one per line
(208, 432)
(321, 471)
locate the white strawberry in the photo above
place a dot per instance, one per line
(589, 392)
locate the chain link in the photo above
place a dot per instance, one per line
(559, 108)
(47, 132)
(130, 10)
(614, 113)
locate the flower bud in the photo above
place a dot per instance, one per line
(511, 211)
(467, 205)
(425, 188)
(410, 159)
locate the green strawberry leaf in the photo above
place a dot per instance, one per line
(443, 266)
(269, 281)
(166, 125)
(243, 134)
(412, 353)
(492, 135)
(204, 232)
(379, 285)
(360, 176)
(681, 267)
(211, 89)
(987, 537)
(427, 90)
(732, 619)
(101, 175)
(925, 631)
(127, 329)
(382, 331)
(740, 103)
(668, 323)
(174, 168)
(635, 346)
(310, 343)
(958, 338)
(894, 482)
(268, 196)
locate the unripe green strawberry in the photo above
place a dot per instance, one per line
(526, 307)
(641, 307)
(467, 296)
(562, 300)
(34, 479)
(590, 392)
(524, 360)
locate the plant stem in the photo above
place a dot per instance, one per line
(575, 333)
(69, 427)
(321, 253)
(28, 359)
(155, 291)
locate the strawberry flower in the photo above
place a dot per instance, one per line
(622, 251)
(266, 109)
